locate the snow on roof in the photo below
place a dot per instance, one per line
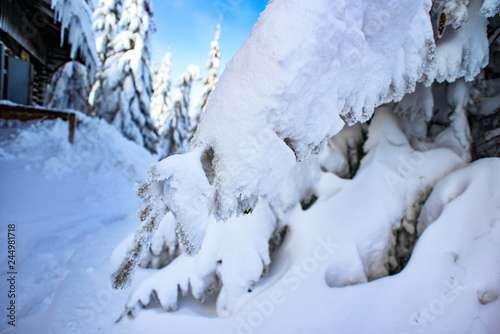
(75, 16)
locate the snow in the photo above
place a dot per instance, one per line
(464, 51)
(68, 87)
(387, 229)
(490, 8)
(73, 204)
(161, 101)
(270, 130)
(489, 105)
(341, 63)
(76, 18)
(106, 25)
(122, 91)
(233, 254)
(440, 290)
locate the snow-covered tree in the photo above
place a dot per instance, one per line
(106, 18)
(161, 101)
(185, 83)
(175, 134)
(123, 91)
(69, 87)
(306, 71)
(212, 77)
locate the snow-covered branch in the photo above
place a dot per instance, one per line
(296, 82)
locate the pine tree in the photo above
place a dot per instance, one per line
(186, 82)
(173, 138)
(69, 87)
(176, 132)
(161, 101)
(213, 65)
(122, 95)
(239, 161)
(106, 18)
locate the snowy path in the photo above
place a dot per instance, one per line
(71, 206)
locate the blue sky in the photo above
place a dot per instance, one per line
(187, 27)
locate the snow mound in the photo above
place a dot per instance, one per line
(450, 284)
(45, 147)
(452, 275)
(392, 182)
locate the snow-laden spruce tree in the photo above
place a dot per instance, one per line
(212, 77)
(69, 87)
(106, 17)
(305, 72)
(123, 90)
(185, 83)
(161, 101)
(175, 133)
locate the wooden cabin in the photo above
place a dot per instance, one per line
(30, 52)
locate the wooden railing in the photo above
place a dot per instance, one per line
(27, 113)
